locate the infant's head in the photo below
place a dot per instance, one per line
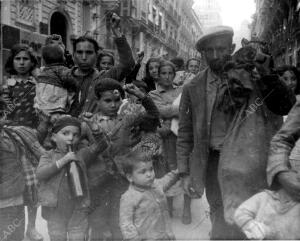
(138, 168)
(53, 54)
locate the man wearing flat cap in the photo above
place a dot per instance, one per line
(203, 127)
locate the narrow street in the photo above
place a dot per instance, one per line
(197, 230)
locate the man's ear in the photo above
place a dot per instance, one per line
(232, 48)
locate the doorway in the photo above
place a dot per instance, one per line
(59, 25)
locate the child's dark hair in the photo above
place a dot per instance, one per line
(53, 54)
(282, 69)
(16, 49)
(129, 160)
(178, 62)
(103, 54)
(146, 123)
(84, 39)
(107, 84)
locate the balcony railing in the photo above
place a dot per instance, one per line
(143, 16)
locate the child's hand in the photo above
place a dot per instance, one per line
(255, 230)
(132, 89)
(70, 156)
(86, 116)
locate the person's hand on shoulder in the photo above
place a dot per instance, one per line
(290, 181)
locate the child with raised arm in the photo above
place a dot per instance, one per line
(143, 207)
(108, 119)
(66, 213)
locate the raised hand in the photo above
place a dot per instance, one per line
(115, 24)
(132, 89)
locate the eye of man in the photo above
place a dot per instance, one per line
(90, 52)
(108, 100)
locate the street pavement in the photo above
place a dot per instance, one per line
(197, 230)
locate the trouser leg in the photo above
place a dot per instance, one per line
(220, 229)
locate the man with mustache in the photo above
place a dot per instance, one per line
(203, 127)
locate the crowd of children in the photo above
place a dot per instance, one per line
(95, 148)
(106, 152)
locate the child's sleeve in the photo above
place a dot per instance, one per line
(245, 217)
(46, 168)
(168, 180)
(127, 208)
(150, 106)
(100, 145)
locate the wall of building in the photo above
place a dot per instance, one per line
(31, 21)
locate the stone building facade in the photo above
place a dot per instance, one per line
(161, 27)
(158, 27)
(30, 21)
(277, 23)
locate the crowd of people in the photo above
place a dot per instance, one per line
(103, 154)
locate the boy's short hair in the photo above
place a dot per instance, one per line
(52, 54)
(84, 39)
(129, 160)
(53, 37)
(107, 84)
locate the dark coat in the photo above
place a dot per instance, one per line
(195, 123)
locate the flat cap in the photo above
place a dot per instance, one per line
(213, 32)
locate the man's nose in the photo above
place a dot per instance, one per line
(216, 54)
(84, 56)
